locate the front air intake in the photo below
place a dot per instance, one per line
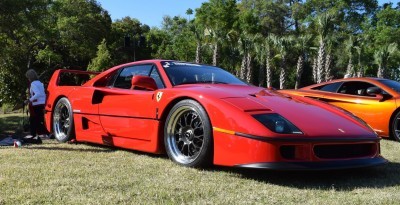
(343, 151)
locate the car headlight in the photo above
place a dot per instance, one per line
(277, 123)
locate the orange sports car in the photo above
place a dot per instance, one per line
(374, 100)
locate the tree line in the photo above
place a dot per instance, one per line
(269, 43)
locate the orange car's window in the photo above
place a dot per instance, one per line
(355, 88)
(332, 87)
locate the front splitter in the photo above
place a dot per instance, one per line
(325, 165)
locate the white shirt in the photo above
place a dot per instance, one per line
(38, 96)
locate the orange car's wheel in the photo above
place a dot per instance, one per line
(187, 135)
(63, 123)
(395, 126)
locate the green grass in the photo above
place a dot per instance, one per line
(54, 173)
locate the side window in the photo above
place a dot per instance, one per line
(125, 76)
(111, 78)
(156, 76)
(355, 88)
(332, 87)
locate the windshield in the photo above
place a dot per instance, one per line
(394, 85)
(186, 73)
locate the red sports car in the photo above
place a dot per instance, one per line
(201, 115)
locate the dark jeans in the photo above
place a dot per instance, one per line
(36, 121)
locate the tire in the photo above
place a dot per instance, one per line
(187, 135)
(63, 121)
(395, 126)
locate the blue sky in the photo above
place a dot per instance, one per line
(151, 12)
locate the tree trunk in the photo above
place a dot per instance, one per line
(261, 75)
(350, 68)
(360, 72)
(249, 75)
(320, 61)
(268, 71)
(299, 71)
(381, 71)
(282, 76)
(243, 67)
(314, 70)
(198, 52)
(328, 72)
(215, 54)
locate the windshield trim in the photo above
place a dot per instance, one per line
(222, 76)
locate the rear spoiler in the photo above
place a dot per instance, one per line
(66, 77)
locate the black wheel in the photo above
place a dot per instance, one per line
(395, 126)
(188, 136)
(63, 122)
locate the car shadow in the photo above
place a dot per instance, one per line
(40, 147)
(93, 148)
(339, 180)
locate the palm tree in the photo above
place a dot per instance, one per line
(216, 38)
(259, 49)
(349, 47)
(324, 25)
(243, 52)
(268, 69)
(249, 60)
(245, 49)
(328, 59)
(282, 44)
(189, 12)
(218, 17)
(360, 72)
(314, 70)
(328, 66)
(198, 32)
(233, 41)
(382, 57)
(262, 47)
(364, 41)
(302, 45)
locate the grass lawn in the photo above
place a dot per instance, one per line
(54, 173)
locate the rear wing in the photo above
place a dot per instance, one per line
(64, 77)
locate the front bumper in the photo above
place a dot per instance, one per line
(325, 165)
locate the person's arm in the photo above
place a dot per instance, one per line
(37, 92)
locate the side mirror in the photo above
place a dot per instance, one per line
(375, 91)
(141, 82)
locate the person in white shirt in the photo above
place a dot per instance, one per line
(36, 102)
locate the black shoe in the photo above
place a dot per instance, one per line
(38, 140)
(51, 136)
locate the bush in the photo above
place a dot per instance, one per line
(6, 108)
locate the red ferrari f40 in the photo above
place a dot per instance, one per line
(201, 115)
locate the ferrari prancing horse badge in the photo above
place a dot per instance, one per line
(158, 97)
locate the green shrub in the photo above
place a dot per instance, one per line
(6, 108)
